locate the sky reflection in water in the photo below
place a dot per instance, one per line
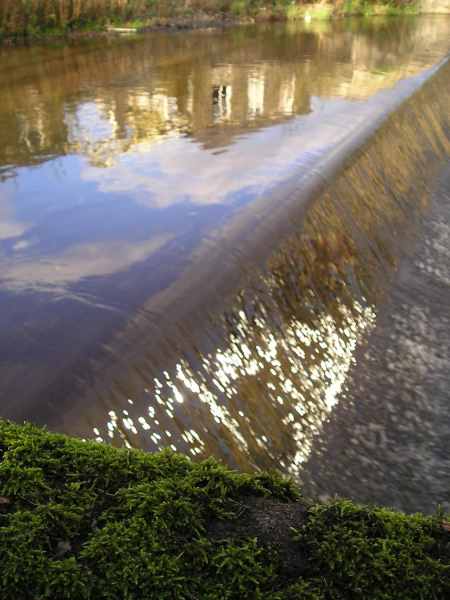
(126, 166)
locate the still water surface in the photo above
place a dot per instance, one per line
(166, 278)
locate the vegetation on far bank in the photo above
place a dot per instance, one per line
(86, 520)
(34, 18)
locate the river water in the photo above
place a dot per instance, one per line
(217, 242)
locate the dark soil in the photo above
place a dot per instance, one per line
(270, 521)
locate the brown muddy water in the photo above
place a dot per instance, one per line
(236, 243)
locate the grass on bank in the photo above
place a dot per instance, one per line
(38, 18)
(328, 10)
(86, 520)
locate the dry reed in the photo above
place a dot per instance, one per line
(21, 17)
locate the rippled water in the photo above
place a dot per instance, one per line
(182, 264)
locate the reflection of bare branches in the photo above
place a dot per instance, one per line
(214, 88)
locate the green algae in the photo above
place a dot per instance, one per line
(86, 520)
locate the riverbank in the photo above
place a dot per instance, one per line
(86, 520)
(50, 20)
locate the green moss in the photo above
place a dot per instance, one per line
(86, 520)
(376, 553)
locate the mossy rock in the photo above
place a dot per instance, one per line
(86, 520)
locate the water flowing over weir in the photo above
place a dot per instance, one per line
(257, 384)
(224, 245)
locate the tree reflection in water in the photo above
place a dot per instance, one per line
(258, 390)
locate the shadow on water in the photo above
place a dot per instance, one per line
(258, 386)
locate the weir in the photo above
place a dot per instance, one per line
(211, 254)
(256, 382)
